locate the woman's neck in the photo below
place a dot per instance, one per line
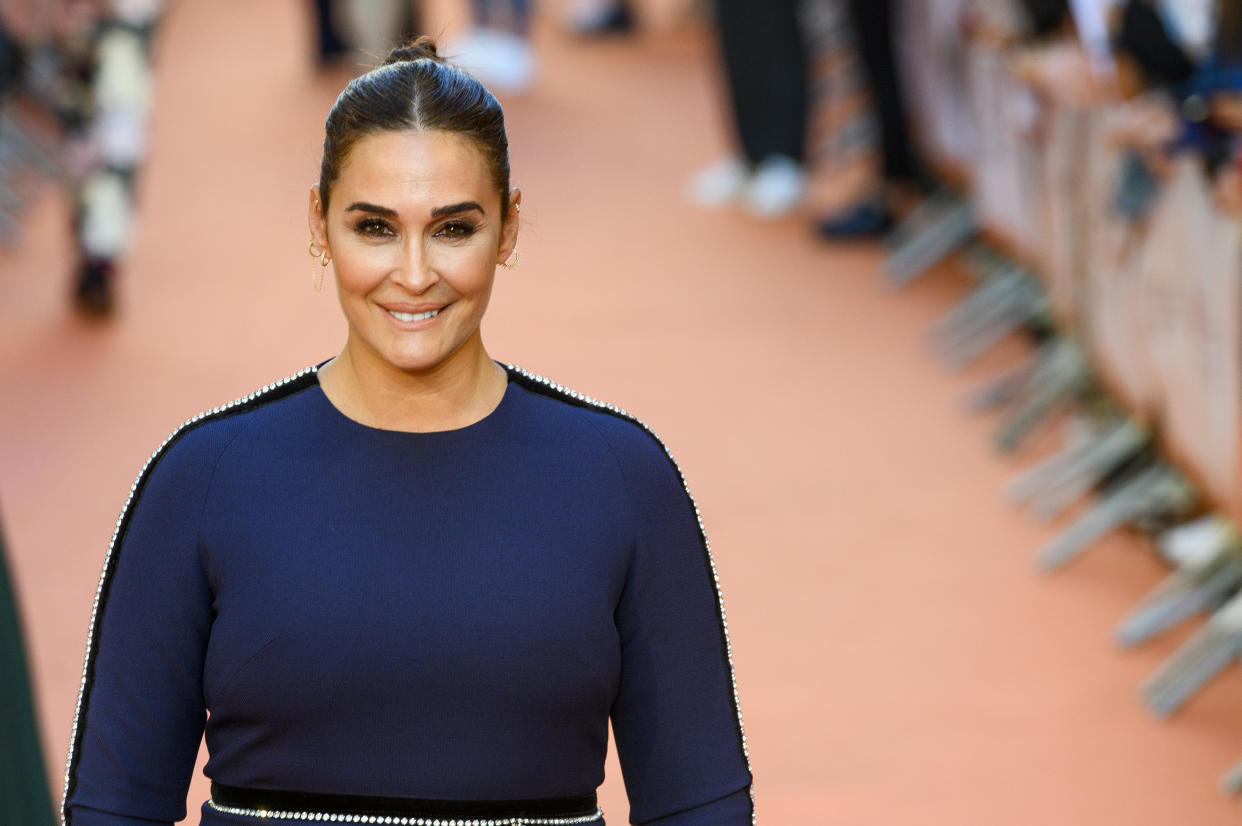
(459, 391)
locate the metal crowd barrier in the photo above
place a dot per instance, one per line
(1121, 262)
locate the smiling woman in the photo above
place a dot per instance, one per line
(417, 151)
(409, 585)
(415, 253)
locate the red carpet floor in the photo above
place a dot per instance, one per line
(899, 660)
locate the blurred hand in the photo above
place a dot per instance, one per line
(1144, 124)
(1060, 71)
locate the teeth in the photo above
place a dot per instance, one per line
(414, 316)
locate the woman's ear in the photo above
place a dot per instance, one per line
(315, 219)
(509, 236)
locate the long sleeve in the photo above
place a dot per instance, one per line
(141, 711)
(678, 728)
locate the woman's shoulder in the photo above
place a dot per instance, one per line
(199, 441)
(574, 413)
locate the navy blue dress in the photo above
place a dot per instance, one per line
(451, 616)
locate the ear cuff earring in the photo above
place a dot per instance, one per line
(516, 257)
(324, 258)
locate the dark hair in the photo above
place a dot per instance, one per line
(415, 88)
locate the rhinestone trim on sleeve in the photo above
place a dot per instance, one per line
(116, 533)
(584, 399)
(326, 817)
(396, 821)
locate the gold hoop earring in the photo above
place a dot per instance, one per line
(323, 264)
(323, 267)
(513, 261)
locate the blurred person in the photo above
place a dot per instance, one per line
(12, 61)
(367, 29)
(1149, 53)
(24, 795)
(1211, 97)
(409, 584)
(102, 98)
(766, 76)
(1211, 103)
(497, 49)
(598, 18)
(1198, 63)
(875, 27)
(330, 44)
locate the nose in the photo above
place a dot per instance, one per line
(415, 272)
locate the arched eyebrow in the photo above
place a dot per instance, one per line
(464, 206)
(361, 206)
(451, 209)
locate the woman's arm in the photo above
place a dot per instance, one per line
(141, 712)
(676, 719)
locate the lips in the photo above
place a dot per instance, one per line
(409, 312)
(411, 317)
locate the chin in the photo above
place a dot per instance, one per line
(412, 363)
(419, 360)
(418, 352)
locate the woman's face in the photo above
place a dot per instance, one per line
(415, 233)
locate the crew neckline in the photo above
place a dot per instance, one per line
(480, 425)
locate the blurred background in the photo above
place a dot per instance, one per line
(937, 302)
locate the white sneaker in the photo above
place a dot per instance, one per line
(502, 61)
(719, 184)
(776, 188)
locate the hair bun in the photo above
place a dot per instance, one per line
(422, 48)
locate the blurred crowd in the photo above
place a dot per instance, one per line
(76, 84)
(1086, 157)
(85, 67)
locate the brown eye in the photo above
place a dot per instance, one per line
(375, 227)
(455, 229)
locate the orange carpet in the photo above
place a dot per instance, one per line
(899, 660)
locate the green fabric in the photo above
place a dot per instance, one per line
(24, 795)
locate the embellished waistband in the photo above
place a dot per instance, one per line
(402, 811)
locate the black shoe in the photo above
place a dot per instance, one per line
(93, 292)
(617, 20)
(866, 219)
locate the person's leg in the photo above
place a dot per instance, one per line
(594, 18)
(411, 21)
(330, 45)
(511, 16)
(766, 77)
(766, 74)
(875, 29)
(520, 17)
(117, 134)
(875, 24)
(497, 48)
(481, 12)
